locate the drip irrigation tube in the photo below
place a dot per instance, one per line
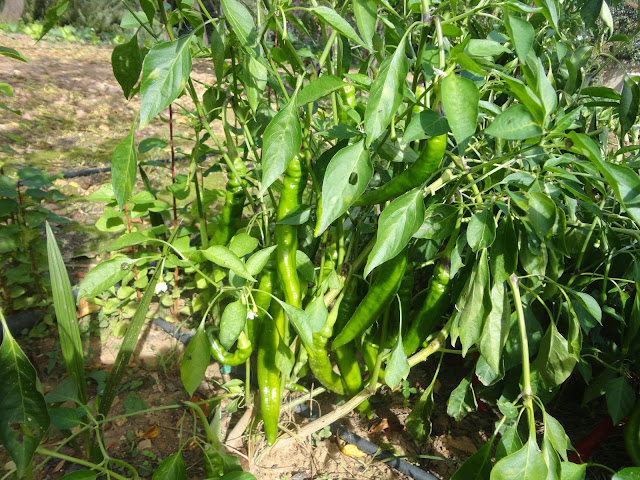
(366, 446)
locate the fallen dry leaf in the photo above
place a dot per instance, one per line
(379, 427)
(152, 432)
(58, 467)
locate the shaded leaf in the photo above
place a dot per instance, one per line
(234, 318)
(171, 468)
(515, 123)
(195, 360)
(126, 62)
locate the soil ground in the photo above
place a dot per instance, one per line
(72, 115)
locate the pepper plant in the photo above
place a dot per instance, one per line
(403, 179)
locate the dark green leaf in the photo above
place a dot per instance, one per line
(496, 327)
(238, 476)
(504, 251)
(171, 468)
(232, 323)
(424, 125)
(509, 443)
(418, 422)
(12, 53)
(525, 464)
(64, 418)
(461, 401)
(53, 16)
(439, 222)
(590, 11)
(241, 22)
(542, 213)
(225, 258)
(554, 362)
(126, 61)
(515, 123)
(133, 403)
(522, 35)
(482, 230)
(620, 398)
(629, 100)
(104, 275)
(630, 473)
(124, 164)
(336, 21)
(472, 303)
(460, 99)
(319, 88)
(366, 13)
(80, 475)
(195, 360)
(477, 466)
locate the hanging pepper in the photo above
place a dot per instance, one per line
(262, 300)
(383, 289)
(241, 354)
(233, 205)
(286, 236)
(414, 176)
(348, 97)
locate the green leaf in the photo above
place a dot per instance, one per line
(319, 88)
(574, 471)
(300, 321)
(165, 72)
(243, 244)
(238, 476)
(241, 22)
(232, 323)
(522, 35)
(64, 418)
(366, 13)
(590, 11)
(105, 275)
(195, 360)
(133, 403)
(297, 216)
(482, 230)
(128, 344)
(65, 309)
(397, 224)
(590, 305)
(515, 123)
(317, 313)
(345, 179)
(397, 367)
(225, 258)
(496, 327)
(526, 96)
(128, 240)
(12, 53)
(149, 9)
(171, 468)
(460, 99)
(385, 96)
(80, 475)
(620, 398)
(557, 436)
(630, 473)
(550, 12)
(258, 260)
(461, 401)
(53, 16)
(439, 222)
(554, 361)
(282, 141)
(509, 443)
(124, 164)
(542, 213)
(629, 99)
(473, 312)
(254, 78)
(338, 23)
(504, 251)
(418, 422)
(478, 47)
(477, 466)
(525, 464)
(126, 62)
(23, 411)
(424, 125)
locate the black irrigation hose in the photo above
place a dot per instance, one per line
(366, 446)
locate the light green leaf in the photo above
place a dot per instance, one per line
(282, 141)
(225, 258)
(424, 125)
(554, 361)
(386, 94)
(575, 471)
(525, 464)
(241, 22)
(300, 321)
(478, 47)
(165, 72)
(128, 240)
(509, 443)
(629, 473)
(195, 360)
(472, 306)
(366, 13)
(105, 275)
(397, 367)
(243, 244)
(171, 468)
(234, 318)
(496, 327)
(336, 21)
(258, 260)
(542, 213)
(557, 436)
(397, 224)
(23, 411)
(482, 230)
(515, 123)
(254, 78)
(319, 88)
(12, 53)
(461, 401)
(345, 179)
(460, 99)
(126, 62)
(124, 164)
(317, 313)
(522, 35)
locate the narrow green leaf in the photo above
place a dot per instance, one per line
(12, 53)
(319, 88)
(126, 62)
(282, 141)
(53, 16)
(496, 327)
(258, 260)
(386, 93)
(397, 367)
(461, 401)
(234, 318)
(171, 468)
(366, 13)
(629, 100)
(24, 419)
(346, 178)
(225, 258)
(525, 464)
(482, 230)
(397, 224)
(557, 436)
(460, 99)
(472, 306)
(195, 360)
(165, 72)
(522, 35)
(515, 123)
(241, 22)
(477, 466)
(124, 164)
(336, 21)
(65, 309)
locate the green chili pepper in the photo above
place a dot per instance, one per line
(419, 107)
(294, 181)
(412, 177)
(233, 205)
(348, 97)
(262, 301)
(370, 348)
(433, 307)
(632, 435)
(241, 355)
(319, 359)
(383, 289)
(269, 382)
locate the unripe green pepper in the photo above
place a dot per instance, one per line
(233, 205)
(241, 355)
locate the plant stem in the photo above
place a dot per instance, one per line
(50, 453)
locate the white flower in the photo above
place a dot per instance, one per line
(161, 287)
(251, 315)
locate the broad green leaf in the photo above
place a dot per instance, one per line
(243, 244)
(337, 22)
(241, 22)
(477, 466)
(542, 213)
(629, 100)
(317, 313)
(254, 78)
(397, 224)
(550, 12)
(472, 312)
(482, 230)
(557, 436)
(366, 13)
(551, 459)
(425, 124)
(522, 35)
(319, 88)
(24, 419)
(515, 123)
(53, 15)
(124, 164)
(397, 367)
(284, 358)
(504, 251)
(525, 464)
(478, 47)
(238, 476)
(64, 418)
(165, 71)
(80, 475)
(149, 9)
(195, 360)
(346, 178)
(526, 96)
(297, 216)
(418, 422)
(282, 141)
(574, 471)
(620, 398)
(439, 222)
(225, 258)
(461, 401)
(300, 321)
(105, 275)
(6, 90)
(629, 473)
(128, 344)
(554, 362)
(126, 62)
(385, 96)
(171, 468)
(234, 318)
(590, 305)
(509, 443)
(65, 308)
(258, 260)
(128, 240)
(12, 53)
(496, 327)
(460, 99)
(590, 11)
